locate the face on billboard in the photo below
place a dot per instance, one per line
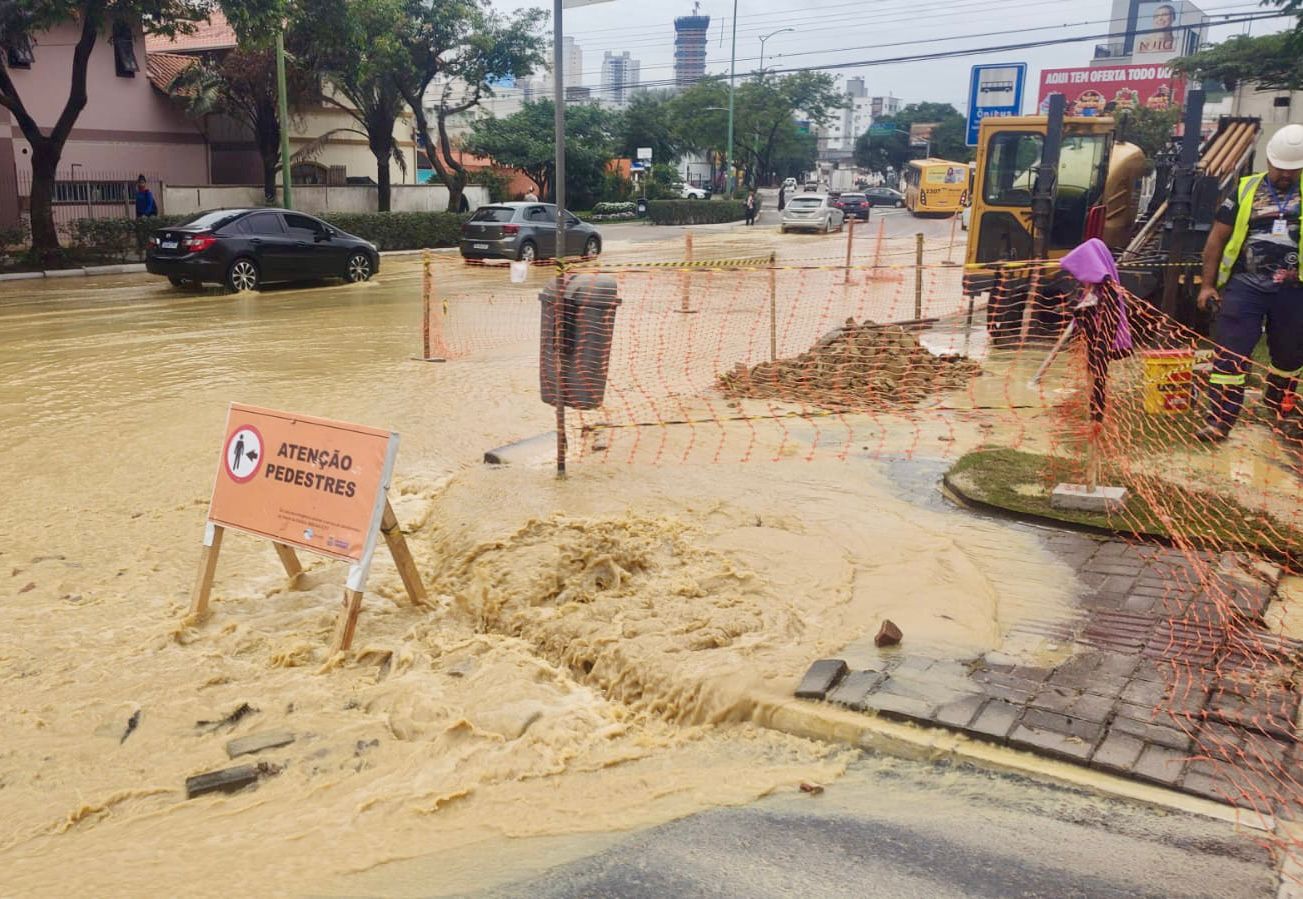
(1158, 21)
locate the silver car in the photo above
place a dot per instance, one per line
(524, 231)
(812, 212)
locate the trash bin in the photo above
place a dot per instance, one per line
(587, 319)
(642, 206)
(1169, 381)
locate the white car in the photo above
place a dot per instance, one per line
(695, 193)
(812, 212)
(966, 217)
(789, 184)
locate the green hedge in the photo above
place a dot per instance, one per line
(694, 212)
(118, 239)
(401, 230)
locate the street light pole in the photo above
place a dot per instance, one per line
(764, 38)
(732, 74)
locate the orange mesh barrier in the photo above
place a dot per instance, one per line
(738, 358)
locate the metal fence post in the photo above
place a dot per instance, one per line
(918, 277)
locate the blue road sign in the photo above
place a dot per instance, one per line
(994, 90)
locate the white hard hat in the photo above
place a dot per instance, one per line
(1285, 149)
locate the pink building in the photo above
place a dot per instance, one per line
(127, 128)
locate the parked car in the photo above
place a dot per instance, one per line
(812, 213)
(856, 205)
(884, 196)
(245, 248)
(524, 231)
(695, 193)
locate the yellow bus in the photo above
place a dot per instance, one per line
(936, 186)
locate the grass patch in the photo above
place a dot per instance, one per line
(1021, 482)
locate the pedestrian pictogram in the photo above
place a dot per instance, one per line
(243, 453)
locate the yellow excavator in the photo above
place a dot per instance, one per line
(1046, 183)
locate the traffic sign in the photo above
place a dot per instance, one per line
(882, 129)
(994, 90)
(645, 153)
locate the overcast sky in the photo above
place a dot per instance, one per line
(837, 31)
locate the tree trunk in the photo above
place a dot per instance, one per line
(269, 177)
(45, 237)
(382, 179)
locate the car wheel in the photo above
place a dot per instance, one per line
(358, 269)
(242, 275)
(592, 247)
(900, 203)
(782, 229)
(528, 252)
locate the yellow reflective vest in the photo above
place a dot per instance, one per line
(1247, 190)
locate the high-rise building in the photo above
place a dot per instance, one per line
(572, 64)
(690, 49)
(619, 77)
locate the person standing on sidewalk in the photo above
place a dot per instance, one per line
(145, 203)
(751, 208)
(1251, 274)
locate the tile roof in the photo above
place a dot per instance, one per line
(162, 68)
(214, 34)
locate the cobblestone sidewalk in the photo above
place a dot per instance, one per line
(1163, 683)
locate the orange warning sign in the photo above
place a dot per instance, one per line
(307, 482)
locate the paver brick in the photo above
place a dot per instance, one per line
(1144, 692)
(1150, 732)
(1054, 698)
(1160, 764)
(1051, 743)
(894, 705)
(1092, 707)
(854, 688)
(1039, 719)
(1208, 787)
(821, 677)
(1118, 753)
(995, 720)
(961, 712)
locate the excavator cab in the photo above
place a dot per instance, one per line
(1013, 174)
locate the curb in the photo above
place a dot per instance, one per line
(129, 268)
(812, 721)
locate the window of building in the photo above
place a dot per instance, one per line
(124, 51)
(18, 51)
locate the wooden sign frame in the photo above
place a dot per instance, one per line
(383, 523)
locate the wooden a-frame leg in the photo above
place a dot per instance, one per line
(402, 556)
(207, 570)
(346, 623)
(290, 560)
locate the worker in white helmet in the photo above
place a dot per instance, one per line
(1251, 272)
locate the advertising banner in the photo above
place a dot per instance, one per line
(1101, 90)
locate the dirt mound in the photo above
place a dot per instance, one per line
(858, 366)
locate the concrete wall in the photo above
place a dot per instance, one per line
(127, 127)
(184, 200)
(1275, 108)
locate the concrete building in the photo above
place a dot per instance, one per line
(342, 158)
(127, 127)
(619, 77)
(572, 66)
(838, 134)
(690, 49)
(1276, 109)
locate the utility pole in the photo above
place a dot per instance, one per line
(283, 99)
(732, 75)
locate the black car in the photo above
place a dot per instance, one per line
(884, 196)
(243, 248)
(854, 205)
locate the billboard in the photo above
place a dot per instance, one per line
(1100, 90)
(994, 90)
(1159, 30)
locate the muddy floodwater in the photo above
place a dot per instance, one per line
(598, 654)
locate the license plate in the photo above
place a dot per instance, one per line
(481, 246)
(168, 244)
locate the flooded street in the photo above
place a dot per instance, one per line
(598, 655)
